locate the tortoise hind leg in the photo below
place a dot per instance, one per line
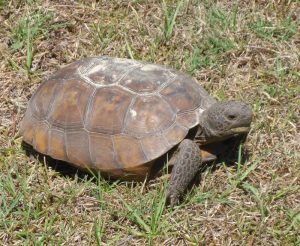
(187, 162)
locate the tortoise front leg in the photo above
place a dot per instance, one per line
(187, 162)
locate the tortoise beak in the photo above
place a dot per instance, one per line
(239, 130)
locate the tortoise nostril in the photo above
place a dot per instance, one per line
(231, 117)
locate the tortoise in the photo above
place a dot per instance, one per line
(119, 116)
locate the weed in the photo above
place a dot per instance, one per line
(153, 225)
(28, 29)
(285, 30)
(170, 18)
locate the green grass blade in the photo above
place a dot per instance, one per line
(170, 19)
(99, 229)
(29, 53)
(158, 206)
(129, 50)
(138, 218)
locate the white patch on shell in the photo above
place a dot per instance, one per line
(133, 113)
(126, 62)
(150, 67)
(96, 68)
(200, 111)
(128, 81)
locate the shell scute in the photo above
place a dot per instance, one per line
(69, 104)
(57, 147)
(102, 151)
(27, 126)
(147, 78)
(40, 139)
(77, 147)
(129, 151)
(174, 133)
(69, 71)
(182, 95)
(154, 146)
(107, 110)
(147, 115)
(188, 119)
(104, 71)
(43, 98)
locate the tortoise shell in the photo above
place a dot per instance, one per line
(113, 115)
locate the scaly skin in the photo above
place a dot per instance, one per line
(219, 122)
(187, 162)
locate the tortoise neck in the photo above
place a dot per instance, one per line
(204, 133)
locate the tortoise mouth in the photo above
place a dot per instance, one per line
(239, 130)
(233, 132)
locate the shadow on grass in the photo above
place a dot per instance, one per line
(228, 155)
(62, 167)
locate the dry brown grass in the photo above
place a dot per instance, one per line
(244, 50)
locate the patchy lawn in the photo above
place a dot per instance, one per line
(245, 50)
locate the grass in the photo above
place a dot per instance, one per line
(246, 50)
(170, 18)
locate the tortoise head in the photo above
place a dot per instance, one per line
(223, 120)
